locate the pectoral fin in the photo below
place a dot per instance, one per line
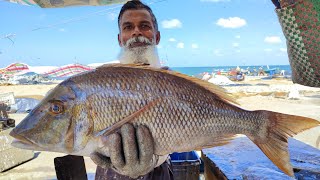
(127, 119)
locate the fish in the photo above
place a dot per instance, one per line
(183, 113)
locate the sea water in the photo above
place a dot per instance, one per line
(193, 71)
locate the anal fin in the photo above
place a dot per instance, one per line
(220, 141)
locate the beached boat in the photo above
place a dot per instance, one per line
(237, 77)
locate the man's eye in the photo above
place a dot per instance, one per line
(145, 26)
(127, 27)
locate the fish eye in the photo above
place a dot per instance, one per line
(56, 107)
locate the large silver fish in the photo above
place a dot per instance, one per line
(182, 113)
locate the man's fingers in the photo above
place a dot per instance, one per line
(115, 150)
(130, 147)
(130, 150)
(145, 142)
(100, 160)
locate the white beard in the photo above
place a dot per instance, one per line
(145, 54)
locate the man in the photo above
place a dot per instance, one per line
(130, 154)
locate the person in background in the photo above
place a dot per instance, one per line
(130, 155)
(3, 111)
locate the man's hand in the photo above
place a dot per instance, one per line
(131, 151)
(286, 3)
(276, 4)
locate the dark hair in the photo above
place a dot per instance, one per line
(137, 5)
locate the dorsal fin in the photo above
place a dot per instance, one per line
(122, 65)
(219, 91)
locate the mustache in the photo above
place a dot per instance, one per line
(139, 39)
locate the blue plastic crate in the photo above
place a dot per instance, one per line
(191, 156)
(186, 166)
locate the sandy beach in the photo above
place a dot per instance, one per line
(254, 93)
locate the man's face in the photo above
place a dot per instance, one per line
(135, 23)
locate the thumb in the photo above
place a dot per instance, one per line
(101, 160)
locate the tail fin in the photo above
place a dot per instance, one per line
(281, 127)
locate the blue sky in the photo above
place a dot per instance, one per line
(193, 33)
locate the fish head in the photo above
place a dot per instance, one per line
(50, 125)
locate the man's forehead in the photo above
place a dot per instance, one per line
(136, 16)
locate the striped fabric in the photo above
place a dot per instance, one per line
(68, 70)
(12, 69)
(24, 2)
(300, 24)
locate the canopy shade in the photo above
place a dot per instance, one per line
(66, 3)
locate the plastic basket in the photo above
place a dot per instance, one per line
(186, 166)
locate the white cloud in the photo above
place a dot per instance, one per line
(172, 40)
(272, 39)
(180, 45)
(62, 30)
(238, 36)
(217, 52)
(235, 44)
(283, 49)
(194, 46)
(112, 16)
(268, 50)
(214, 1)
(238, 51)
(231, 22)
(169, 24)
(159, 46)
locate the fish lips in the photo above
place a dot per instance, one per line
(22, 142)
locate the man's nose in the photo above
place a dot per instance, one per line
(136, 32)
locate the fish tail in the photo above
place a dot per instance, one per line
(274, 144)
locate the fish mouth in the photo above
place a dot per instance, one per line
(22, 142)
